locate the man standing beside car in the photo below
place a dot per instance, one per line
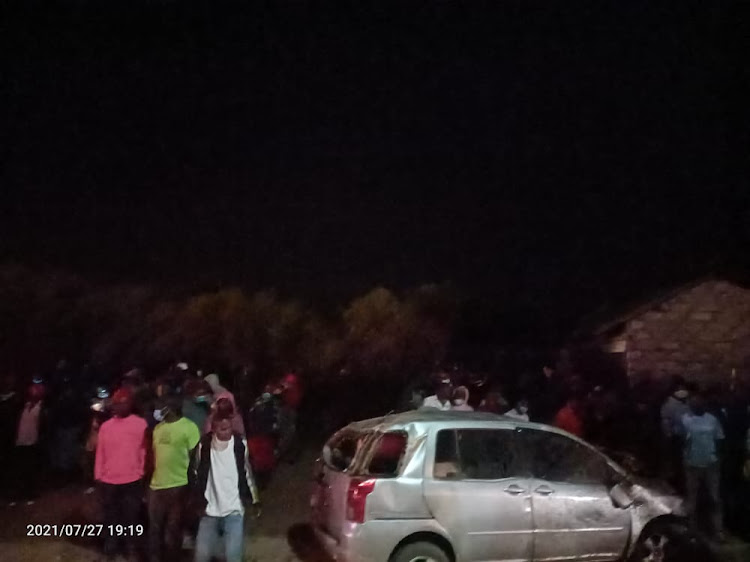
(702, 431)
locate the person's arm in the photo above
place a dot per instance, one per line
(195, 459)
(666, 421)
(100, 455)
(193, 436)
(249, 476)
(718, 430)
(142, 449)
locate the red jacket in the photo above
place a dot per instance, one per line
(569, 420)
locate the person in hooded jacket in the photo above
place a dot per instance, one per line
(219, 392)
(461, 400)
(222, 485)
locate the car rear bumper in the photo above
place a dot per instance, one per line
(344, 551)
(373, 541)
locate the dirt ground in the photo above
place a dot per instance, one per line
(275, 537)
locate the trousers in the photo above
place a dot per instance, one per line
(165, 513)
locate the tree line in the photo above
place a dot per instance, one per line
(46, 316)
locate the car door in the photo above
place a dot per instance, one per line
(573, 513)
(476, 486)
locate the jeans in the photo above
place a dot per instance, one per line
(710, 476)
(120, 504)
(165, 511)
(231, 530)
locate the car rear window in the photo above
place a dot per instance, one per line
(341, 450)
(387, 453)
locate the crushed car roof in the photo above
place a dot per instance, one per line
(428, 415)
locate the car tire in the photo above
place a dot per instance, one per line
(670, 541)
(422, 551)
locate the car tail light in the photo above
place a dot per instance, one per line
(356, 499)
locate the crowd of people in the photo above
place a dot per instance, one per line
(180, 456)
(696, 439)
(174, 462)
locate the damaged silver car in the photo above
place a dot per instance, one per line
(431, 486)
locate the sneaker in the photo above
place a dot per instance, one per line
(30, 502)
(89, 491)
(12, 504)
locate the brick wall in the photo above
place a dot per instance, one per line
(702, 334)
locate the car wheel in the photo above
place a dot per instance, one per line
(420, 552)
(669, 541)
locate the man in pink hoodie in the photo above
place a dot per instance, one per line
(120, 459)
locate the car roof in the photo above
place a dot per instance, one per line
(429, 417)
(419, 422)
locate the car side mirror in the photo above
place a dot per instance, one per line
(620, 496)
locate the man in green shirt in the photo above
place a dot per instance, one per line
(174, 439)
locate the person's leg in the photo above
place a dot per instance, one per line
(713, 481)
(234, 537)
(130, 500)
(208, 535)
(27, 467)
(109, 498)
(173, 523)
(678, 464)
(692, 484)
(20, 476)
(158, 502)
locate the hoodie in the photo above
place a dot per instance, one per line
(462, 407)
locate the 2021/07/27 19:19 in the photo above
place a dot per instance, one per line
(85, 530)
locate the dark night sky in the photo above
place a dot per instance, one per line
(549, 151)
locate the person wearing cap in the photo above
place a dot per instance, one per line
(174, 439)
(119, 466)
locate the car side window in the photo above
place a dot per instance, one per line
(558, 458)
(478, 454)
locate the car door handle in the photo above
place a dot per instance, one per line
(544, 491)
(514, 490)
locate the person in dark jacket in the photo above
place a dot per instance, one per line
(222, 485)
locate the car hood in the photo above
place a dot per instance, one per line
(655, 496)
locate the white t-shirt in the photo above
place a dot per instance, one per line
(433, 402)
(222, 489)
(515, 414)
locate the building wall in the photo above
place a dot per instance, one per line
(702, 334)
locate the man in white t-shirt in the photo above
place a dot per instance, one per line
(223, 483)
(441, 400)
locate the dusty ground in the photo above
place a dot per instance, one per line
(285, 506)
